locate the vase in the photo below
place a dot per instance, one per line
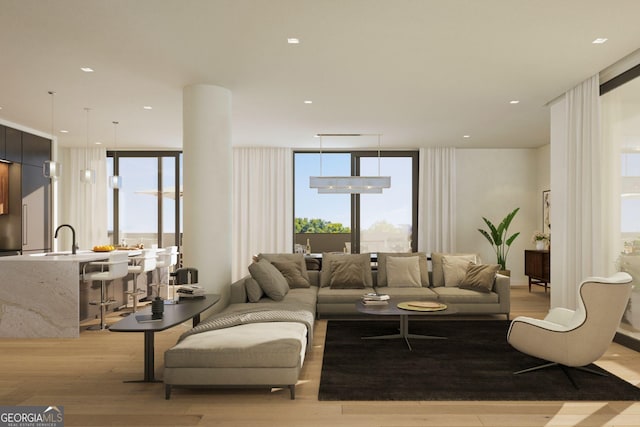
(539, 245)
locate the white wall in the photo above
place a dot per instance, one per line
(491, 183)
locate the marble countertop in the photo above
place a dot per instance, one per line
(80, 256)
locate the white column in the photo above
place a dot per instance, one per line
(207, 185)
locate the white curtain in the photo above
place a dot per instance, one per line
(83, 206)
(579, 217)
(262, 204)
(437, 200)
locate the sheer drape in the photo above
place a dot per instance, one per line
(437, 200)
(580, 218)
(84, 206)
(262, 204)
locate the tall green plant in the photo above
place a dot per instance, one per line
(497, 237)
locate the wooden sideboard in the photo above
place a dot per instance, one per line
(536, 266)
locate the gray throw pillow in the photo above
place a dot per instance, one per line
(480, 277)
(291, 271)
(254, 291)
(298, 258)
(270, 279)
(347, 274)
(327, 264)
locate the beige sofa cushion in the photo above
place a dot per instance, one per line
(454, 269)
(292, 272)
(270, 279)
(403, 272)
(408, 294)
(480, 277)
(347, 274)
(328, 258)
(256, 345)
(465, 296)
(437, 274)
(254, 291)
(297, 258)
(382, 266)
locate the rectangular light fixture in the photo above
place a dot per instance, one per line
(349, 184)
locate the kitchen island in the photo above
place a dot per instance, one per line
(40, 294)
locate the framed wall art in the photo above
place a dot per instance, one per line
(546, 207)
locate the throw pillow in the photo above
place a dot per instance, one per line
(347, 274)
(254, 291)
(403, 272)
(382, 266)
(299, 258)
(291, 271)
(455, 268)
(270, 279)
(329, 258)
(480, 277)
(437, 274)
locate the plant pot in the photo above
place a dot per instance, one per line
(505, 272)
(539, 245)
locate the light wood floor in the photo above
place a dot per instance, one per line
(86, 376)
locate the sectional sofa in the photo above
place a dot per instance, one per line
(261, 338)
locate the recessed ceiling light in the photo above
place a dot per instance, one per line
(308, 102)
(293, 40)
(64, 131)
(87, 69)
(148, 107)
(600, 40)
(466, 136)
(515, 101)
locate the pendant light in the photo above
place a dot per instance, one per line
(87, 175)
(51, 168)
(349, 184)
(115, 181)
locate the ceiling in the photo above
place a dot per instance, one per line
(421, 72)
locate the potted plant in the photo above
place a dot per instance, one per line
(497, 236)
(540, 239)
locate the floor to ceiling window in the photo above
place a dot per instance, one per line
(358, 223)
(621, 130)
(147, 209)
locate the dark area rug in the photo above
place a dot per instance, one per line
(474, 363)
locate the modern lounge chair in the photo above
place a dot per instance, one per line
(575, 338)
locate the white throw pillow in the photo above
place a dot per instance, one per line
(455, 268)
(403, 272)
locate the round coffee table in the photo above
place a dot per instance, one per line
(392, 309)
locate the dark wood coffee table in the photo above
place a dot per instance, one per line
(392, 309)
(174, 314)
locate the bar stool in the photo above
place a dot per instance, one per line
(143, 264)
(166, 260)
(116, 268)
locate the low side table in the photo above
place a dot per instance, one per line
(392, 309)
(174, 314)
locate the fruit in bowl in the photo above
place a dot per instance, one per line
(104, 248)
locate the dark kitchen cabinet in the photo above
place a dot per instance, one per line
(13, 142)
(36, 202)
(3, 144)
(35, 150)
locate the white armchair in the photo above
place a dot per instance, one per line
(575, 338)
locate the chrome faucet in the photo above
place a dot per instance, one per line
(74, 245)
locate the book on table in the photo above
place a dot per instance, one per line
(375, 297)
(375, 302)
